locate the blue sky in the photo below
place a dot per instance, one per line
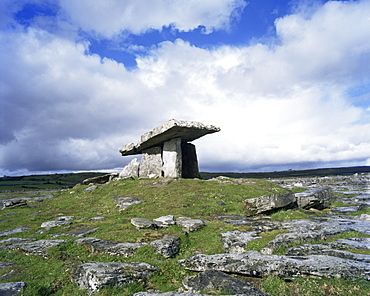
(288, 82)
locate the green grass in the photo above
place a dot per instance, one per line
(192, 198)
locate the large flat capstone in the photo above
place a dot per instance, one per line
(186, 130)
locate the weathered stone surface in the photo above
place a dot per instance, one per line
(190, 167)
(167, 246)
(142, 223)
(172, 158)
(186, 130)
(130, 171)
(234, 242)
(14, 230)
(91, 188)
(60, 221)
(93, 276)
(267, 203)
(14, 202)
(324, 249)
(125, 202)
(97, 245)
(37, 247)
(314, 198)
(11, 289)
(217, 281)
(364, 217)
(253, 263)
(14, 240)
(98, 218)
(151, 163)
(5, 264)
(100, 179)
(165, 221)
(81, 232)
(190, 224)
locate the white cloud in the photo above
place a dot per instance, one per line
(276, 106)
(111, 17)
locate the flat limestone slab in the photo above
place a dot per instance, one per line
(186, 130)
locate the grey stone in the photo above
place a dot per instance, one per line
(267, 203)
(94, 276)
(11, 289)
(91, 188)
(151, 163)
(5, 264)
(323, 249)
(130, 171)
(98, 218)
(100, 179)
(234, 242)
(168, 246)
(216, 281)
(190, 167)
(190, 224)
(37, 247)
(96, 245)
(14, 202)
(14, 240)
(365, 217)
(186, 130)
(14, 230)
(60, 221)
(253, 263)
(165, 221)
(172, 158)
(314, 198)
(125, 202)
(142, 223)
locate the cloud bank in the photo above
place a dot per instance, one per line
(300, 100)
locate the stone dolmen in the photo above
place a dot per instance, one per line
(166, 151)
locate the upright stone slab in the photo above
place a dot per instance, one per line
(189, 161)
(172, 158)
(151, 163)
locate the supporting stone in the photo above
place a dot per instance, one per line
(151, 163)
(189, 161)
(172, 158)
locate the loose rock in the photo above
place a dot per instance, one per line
(37, 247)
(234, 242)
(14, 230)
(91, 188)
(315, 198)
(93, 276)
(216, 281)
(189, 224)
(165, 221)
(167, 246)
(267, 203)
(125, 202)
(11, 289)
(142, 223)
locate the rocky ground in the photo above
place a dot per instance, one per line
(299, 253)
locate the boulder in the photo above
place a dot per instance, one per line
(100, 179)
(94, 276)
(165, 221)
(11, 289)
(189, 224)
(14, 202)
(130, 171)
(97, 245)
(172, 158)
(168, 246)
(268, 203)
(151, 163)
(315, 198)
(253, 263)
(212, 281)
(143, 223)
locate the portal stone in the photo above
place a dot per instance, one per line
(151, 163)
(172, 158)
(189, 161)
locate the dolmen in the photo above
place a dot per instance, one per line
(166, 151)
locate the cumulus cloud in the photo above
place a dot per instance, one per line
(277, 106)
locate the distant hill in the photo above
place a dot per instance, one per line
(293, 173)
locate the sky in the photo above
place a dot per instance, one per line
(287, 81)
